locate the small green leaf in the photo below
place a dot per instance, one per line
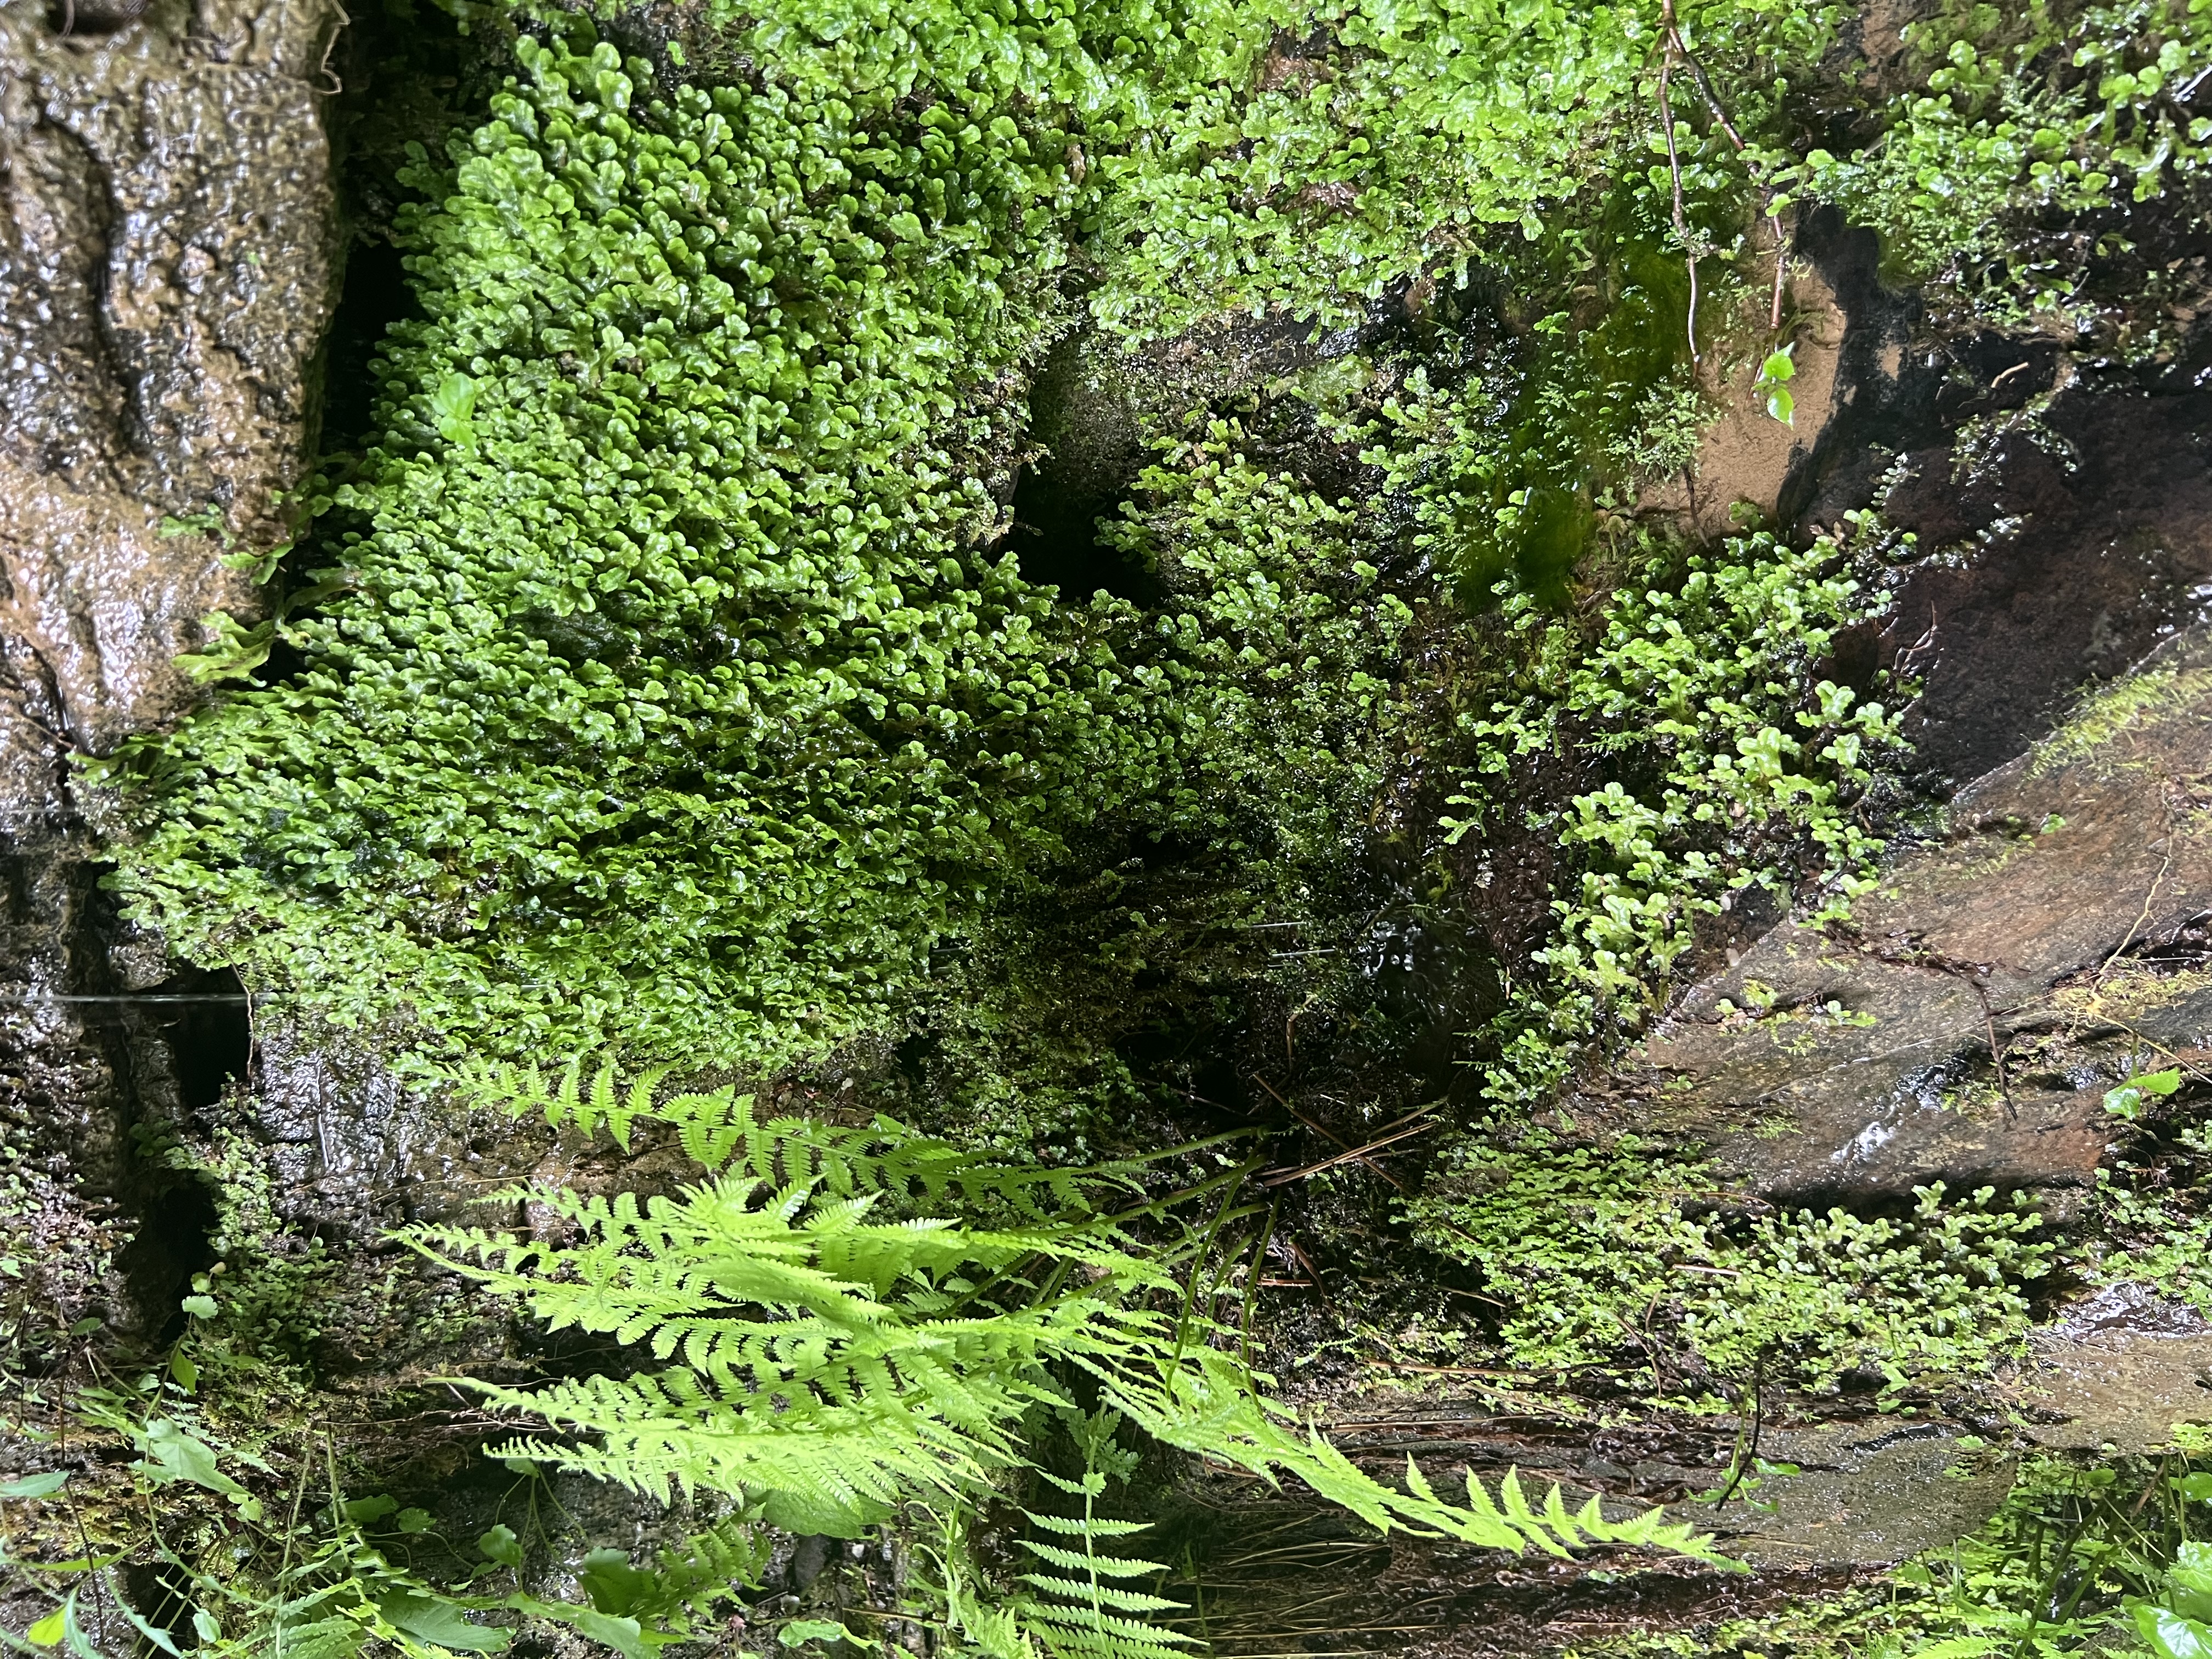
(48, 1630)
(79, 1642)
(2126, 1101)
(362, 1511)
(412, 1520)
(86, 1326)
(815, 1629)
(613, 1584)
(500, 1545)
(200, 1307)
(1778, 367)
(188, 1374)
(435, 1619)
(625, 1636)
(176, 1455)
(35, 1485)
(450, 406)
(209, 1626)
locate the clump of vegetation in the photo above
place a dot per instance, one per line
(1738, 770)
(2026, 121)
(1620, 1261)
(655, 676)
(2150, 1212)
(847, 1330)
(660, 674)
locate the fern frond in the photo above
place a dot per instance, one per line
(1071, 1613)
(1104, 1596)
(1089, 1619)
(1112, 1566)
(1092, 1528)
(846, 1318)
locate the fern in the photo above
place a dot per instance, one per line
(836, 1336)
(1070, 1612)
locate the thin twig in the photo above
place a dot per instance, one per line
(1746, 1459)
(2149, 898)
(1997, 1049)
(1677, 47)
(337, 87)
(1674, 171)
(1312, 1272)
(1357, 1153)
(1324, 1129)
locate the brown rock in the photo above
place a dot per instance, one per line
(166, 277)
(1853, 1068)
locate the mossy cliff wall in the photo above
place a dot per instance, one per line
(1087, 579)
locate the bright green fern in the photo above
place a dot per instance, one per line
(846, 1320)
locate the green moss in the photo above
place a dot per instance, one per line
(2017, 120)
(1732, 770)
(652, 676)
(2110, 713)
(1617, 1261)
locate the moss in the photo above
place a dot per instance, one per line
(2107, 715)
(1618, 1259)
(2105, 1534)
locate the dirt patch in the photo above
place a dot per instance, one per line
(1748, 457)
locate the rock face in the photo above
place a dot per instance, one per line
(166, 280)
(165, 283)
(1965, 1028)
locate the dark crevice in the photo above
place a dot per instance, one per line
(80, 18)
(375, 294)
(1057, 542)
(1091, 456)
(157, 1596)
(210, 1038)
(170, 1051)
(174, 1240)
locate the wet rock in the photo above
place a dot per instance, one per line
(2069, 540)
(1867, 1494)
(165, 281)
(1964, 1027)
(2118, 1375)
(2065, 509)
